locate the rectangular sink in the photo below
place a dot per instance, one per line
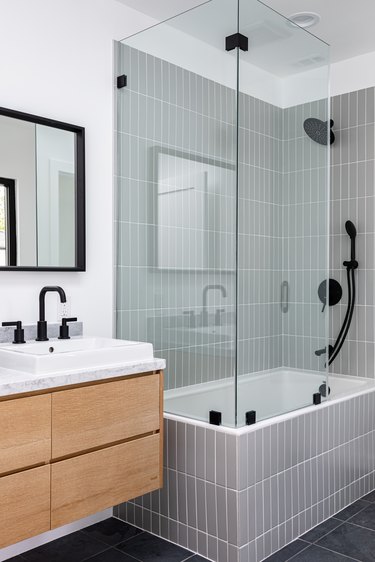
(74, 354)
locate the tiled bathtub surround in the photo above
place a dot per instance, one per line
(240, 496)
(353, 198)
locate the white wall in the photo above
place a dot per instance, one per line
(353, 74)
(57, 61)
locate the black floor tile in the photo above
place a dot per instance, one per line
(351, 510)
(316, 554)
(366, 517)
(318, 532)
(370, 497)
(149, 548)
(288, 551)
(16, 559)
(73, 548)
(111, 555)
(111, 531)
(351, 541)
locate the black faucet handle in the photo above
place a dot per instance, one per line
(19, 333)
(64, 328)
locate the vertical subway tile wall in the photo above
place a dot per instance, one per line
(305, 198)
(259, 235)
(176, 223)
(353, 198)
(176, 267)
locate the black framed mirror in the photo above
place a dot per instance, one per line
(42, 194)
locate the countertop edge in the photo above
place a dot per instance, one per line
(15, 382)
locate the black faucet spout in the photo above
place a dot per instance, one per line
(42, 324)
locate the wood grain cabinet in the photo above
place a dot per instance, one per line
(70, 453)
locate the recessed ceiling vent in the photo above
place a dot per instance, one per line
(315, 60)
(304, 19)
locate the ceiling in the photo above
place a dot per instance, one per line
(347, 25)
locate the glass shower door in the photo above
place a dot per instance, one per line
(176, 205)
(283, 197)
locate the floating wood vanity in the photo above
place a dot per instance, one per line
(73, 450)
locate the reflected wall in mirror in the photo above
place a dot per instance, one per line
(195, 211)
(42, 193)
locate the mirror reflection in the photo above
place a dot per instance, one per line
(41, 193)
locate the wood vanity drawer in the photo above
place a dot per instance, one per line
(94, 481)
(25, 434)
(24, 505)
(93, 416)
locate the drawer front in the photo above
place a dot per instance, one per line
(94, 481)
(24, 505)
(25, 435)
(93, 416)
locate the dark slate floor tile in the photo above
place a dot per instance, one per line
(149, 548)
(318, 532)
(316, 554)
(111, 531)
(73, 548)
(351, 541)
(16, 559)
(351, 510)
(366, 517)
(288, 551)
(370, 497)
(111, 555)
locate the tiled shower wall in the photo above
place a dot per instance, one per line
(305, 199)
(353, 198)
(165, 107)
(282, 225)
(260, 145)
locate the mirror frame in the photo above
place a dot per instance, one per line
(80, 196)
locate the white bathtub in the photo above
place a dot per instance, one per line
(270, 393)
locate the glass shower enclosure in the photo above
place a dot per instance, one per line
(222, 206)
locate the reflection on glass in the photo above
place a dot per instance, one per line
(194, 212)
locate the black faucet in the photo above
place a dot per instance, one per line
(42, 324)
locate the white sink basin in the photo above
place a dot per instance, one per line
(74, 354)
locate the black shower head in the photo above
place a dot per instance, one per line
(317, 130)
(351, 229)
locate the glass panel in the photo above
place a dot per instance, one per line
(283, 215)
(176, 204)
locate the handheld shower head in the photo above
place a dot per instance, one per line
(352, 233)
(351, 229)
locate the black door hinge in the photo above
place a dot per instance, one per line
(236, 40)
(122, 81)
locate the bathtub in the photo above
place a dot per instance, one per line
(270, 393)
(241, 494)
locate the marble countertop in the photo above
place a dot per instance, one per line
(16, 382)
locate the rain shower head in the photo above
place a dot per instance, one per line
(317, 130)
